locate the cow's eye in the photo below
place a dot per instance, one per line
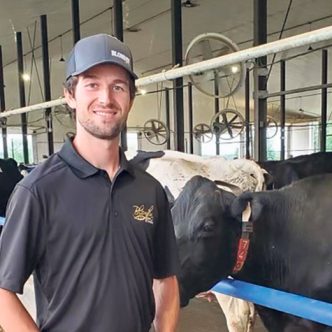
(208, 226)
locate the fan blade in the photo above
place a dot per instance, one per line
(233, 119)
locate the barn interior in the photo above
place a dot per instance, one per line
(224, 111)
(148, 29)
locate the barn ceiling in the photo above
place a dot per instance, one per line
(148, 33)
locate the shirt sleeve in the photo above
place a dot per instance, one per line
(166, 260)
(21, 243)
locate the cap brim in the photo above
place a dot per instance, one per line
(82, 70)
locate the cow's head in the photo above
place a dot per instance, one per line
(205, 233)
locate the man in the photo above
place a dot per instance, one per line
(95, 231)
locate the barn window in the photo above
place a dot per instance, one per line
(229, 149)
(132, 141)
(15, 147)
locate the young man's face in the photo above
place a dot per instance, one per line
(102, 101)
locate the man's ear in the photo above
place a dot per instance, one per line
(70, 100)
(131, 104)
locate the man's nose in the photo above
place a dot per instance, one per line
(105, 96)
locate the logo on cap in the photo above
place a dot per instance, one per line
(121, 56)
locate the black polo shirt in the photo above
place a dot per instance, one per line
(94, 245)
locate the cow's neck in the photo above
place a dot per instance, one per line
(265, 262)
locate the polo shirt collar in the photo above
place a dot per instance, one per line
(81, 167)
(125, 164)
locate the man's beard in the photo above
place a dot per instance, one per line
(106, 133)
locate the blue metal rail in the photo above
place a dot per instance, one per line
(296, 305)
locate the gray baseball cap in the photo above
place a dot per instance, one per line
(98, 49)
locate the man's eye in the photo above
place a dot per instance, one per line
(118, 88)
(91, 85)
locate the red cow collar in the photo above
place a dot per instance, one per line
(244, 242)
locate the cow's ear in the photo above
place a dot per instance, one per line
(268, 180)
(226, 198)
(170, 197)
(142, 158)
(241, 202)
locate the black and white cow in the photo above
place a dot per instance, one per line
(290, 247)
(173, 169)
(287, 171)
(9, 176)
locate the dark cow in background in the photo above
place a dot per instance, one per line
(290, 246)
(9, 176)
(287, 171)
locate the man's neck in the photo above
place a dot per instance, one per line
(103, 154)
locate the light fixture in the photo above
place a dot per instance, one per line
(189, 4)
(234, 69)
(133, 29)
(61, 50)
(26, 77)
(142, 92)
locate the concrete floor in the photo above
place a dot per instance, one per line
(202, 316)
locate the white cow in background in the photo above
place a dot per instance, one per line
(173, 169)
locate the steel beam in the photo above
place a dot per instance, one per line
(20, 68)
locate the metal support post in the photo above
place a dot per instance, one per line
(191, 122)
(247, 112)
(75, 16)
(282, 108)
(168, 117)
(3, 121)
(24, 125)
(47, 83)
(176, 21)
(260, 80)
(118, 33)
(324, 101)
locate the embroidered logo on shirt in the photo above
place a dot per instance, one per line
(143, 214)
